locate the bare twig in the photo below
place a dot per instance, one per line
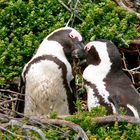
(5, 118)
(121, 4)
(45, 120)
(125, 66)
(9, 110)
(28, 127)
(64, 5)
(13, 134)
(116, 118)
(135, 41)
(71, 11)
(10, 91)
(69, 19)
(134, 70)
(9, 101)
(75, 127)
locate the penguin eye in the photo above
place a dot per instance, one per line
(75, 35)
(87, 48)
(71, 36)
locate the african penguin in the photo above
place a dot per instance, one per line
(105, 82)
(47, 79)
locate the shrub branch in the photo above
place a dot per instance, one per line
(28, 127)
(116, 118)
(71, 11)
(11, 92)
(121, 4)
(43, 120)
(75, 127)
(13, 134)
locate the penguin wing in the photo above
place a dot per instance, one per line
(115, 100)
(129, 101)
(123, 92)
(19, 107)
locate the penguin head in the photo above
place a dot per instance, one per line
(71, 41)
(92, 56)
(102, 51)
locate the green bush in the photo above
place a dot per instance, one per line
(94, 131)
(24, 24)
(103, 19)
(104, 131)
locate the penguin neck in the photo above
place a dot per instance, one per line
(53, 48)
(97, 72)
(102, 69)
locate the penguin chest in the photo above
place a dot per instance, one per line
(45, 90)
(96, 90)
(92, 99)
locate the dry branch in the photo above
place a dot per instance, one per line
(43, 120)
(135, 41)
(121, 4)
(4, 109)
(70, 10)
(75, 127)
(134, 70)
(113, 118)
(9, 101)
(13, 134)
(125, 67)
(10, 91)
(116, 118)
(28, 127)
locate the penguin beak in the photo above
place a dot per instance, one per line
(78, 51)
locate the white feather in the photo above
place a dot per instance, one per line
(44, 82)
(73, 32)
(96, 74)
(133, 109)
(92, 100)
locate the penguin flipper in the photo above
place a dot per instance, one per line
(119, 103)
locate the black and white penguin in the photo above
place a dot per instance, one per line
(47, 79)
(106, 83)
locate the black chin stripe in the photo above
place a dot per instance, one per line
(41, 58)
(70, 96)
(100, 98)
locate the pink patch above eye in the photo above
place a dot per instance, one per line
(88, 46)
(75, 34)
(72, 36)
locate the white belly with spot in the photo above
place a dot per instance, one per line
(95, 76)
(45, 90)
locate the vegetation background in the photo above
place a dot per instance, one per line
(24, 24)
